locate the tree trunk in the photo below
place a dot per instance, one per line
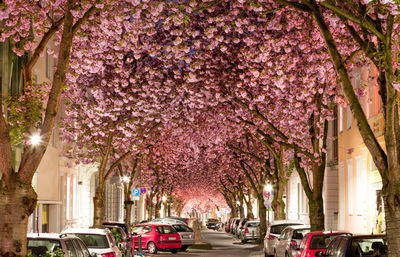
(316, 214)
(17, 202)
(241, 209)
(262, 211)
(98, 204)
(195, 225)
(128, 211)
(392, 216)
(278, 205)
(249, 206)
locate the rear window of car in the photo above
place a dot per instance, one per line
(253, 224)
(94, 241)
(321, 241)
(181, 228)
(369, 245)
(38, 247)
(166, 230)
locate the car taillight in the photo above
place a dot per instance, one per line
(246, 231)
(271, 237)
(112, 254)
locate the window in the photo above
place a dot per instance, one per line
(166, 230)
(361, 189)
(341, 118)
(79, 252)
(84, 248)
(94, 241)
(350, 187)
(349, 117)
(70, 248)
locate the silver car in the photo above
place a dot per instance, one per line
(289, 240)
(273, 231)
(250, 231)
(186, 233)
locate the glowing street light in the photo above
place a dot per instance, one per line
(35, 139)
(125, 179)
(164, 198)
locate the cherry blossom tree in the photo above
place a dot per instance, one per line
(29, 26)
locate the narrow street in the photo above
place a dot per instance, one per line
(223, 244)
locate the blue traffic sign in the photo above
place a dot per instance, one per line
(136, 192)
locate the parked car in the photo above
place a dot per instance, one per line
(240, 226)
(99, 241)
(40, 244)
(120, 237)
(355, 246)
(156, 237)
(250, 231)
(274, 229)
(235, 223)
(316, 241)
(289, 240)
(123, 225)
(232, 224)
(228, 225)
(212, 224)
(185, 232)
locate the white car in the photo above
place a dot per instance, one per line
(273, 231)
(289, 240)
(99, 241)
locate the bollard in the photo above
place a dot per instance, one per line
(140, 243)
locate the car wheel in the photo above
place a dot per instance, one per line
(184, 248)
(152, 248)
(174, 251)
(244, 240)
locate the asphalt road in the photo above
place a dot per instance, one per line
(223, 244)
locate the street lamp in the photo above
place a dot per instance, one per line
(35, 139)
(267, 201)
(125, 179)
(164, 198)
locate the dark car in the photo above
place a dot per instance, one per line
(212, 224)
(355, 246)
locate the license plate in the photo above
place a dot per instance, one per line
(171, 238)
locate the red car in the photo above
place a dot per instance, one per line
(316, 241)
(156, 237)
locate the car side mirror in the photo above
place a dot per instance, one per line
(319, 253)
(134, 234)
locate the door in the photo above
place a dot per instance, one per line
(146, 236)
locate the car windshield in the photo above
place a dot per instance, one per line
(253, 224)
(299, 233)
(277, 229)
(166, 230)
(321, 241)
(94, 241)
(182, 228)
(39, 247)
